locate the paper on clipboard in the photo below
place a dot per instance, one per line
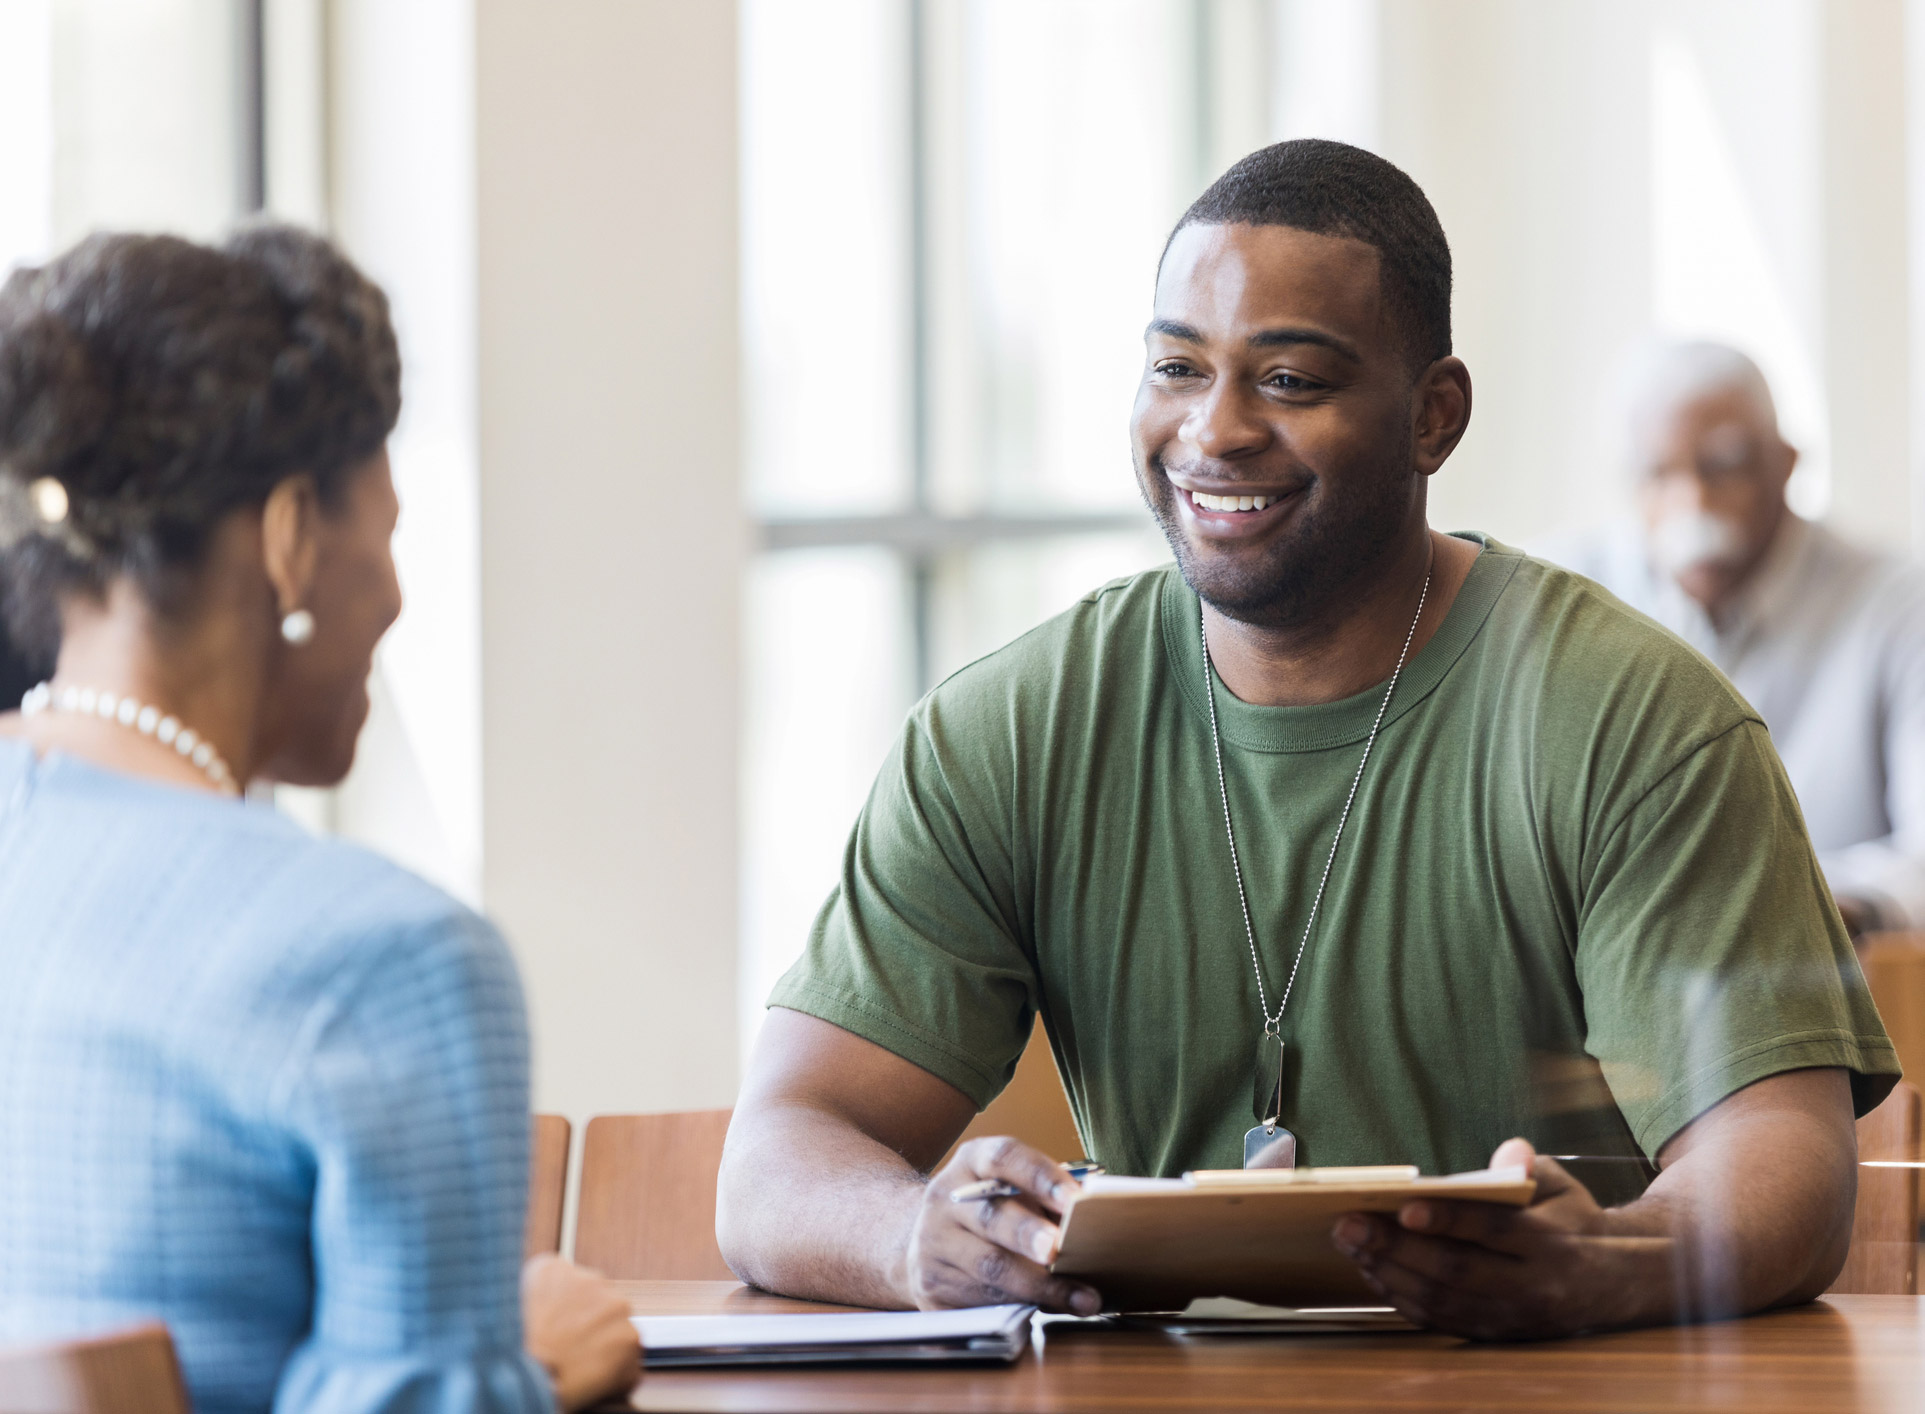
(1254, 1235)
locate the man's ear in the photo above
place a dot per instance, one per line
(290, 541)
(1440, 412)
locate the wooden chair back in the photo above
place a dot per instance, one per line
(1894, 966)
(547, 1185)
(646, 1209)
(1884, 1231)
(1033, 1107)
(128, 1372)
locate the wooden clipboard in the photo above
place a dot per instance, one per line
(1257, 1235)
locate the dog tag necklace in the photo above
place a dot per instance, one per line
(1269, 1144)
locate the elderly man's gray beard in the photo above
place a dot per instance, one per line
(1687, 540)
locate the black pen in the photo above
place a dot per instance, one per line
(996, 1188)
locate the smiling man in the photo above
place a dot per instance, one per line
(1397, 844)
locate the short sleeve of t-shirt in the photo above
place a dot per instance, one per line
(917, 948)
(1706, 956)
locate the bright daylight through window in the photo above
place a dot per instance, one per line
(951, 213)
(948, 254)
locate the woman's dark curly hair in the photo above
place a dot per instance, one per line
(165, 384)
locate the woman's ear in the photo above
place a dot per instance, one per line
(290, 541)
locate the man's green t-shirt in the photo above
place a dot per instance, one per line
(1574, 901)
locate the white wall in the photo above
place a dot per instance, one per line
(612, 535)
(1523, 123)
(548, 192)
(1866, 270)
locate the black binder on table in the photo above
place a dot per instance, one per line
(977, 1334)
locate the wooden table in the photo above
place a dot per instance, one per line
(1843, 1353)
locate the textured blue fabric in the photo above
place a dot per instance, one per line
(269, 1089)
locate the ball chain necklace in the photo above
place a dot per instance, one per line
(130, 712)
(1269, 1144)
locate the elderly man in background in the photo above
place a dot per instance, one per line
(1825, 638)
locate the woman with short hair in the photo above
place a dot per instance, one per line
(270, 1089)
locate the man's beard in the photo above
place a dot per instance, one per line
(1293, 578)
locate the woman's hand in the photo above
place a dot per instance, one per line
(577, 1326)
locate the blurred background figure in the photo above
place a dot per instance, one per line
(1824, 637)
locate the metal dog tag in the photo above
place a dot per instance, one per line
(1266, 1148)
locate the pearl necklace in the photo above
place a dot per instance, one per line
(130, 712)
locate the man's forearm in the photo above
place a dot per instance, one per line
(1761, 1218)
(811, 1207)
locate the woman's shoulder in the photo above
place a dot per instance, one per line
(344, 908)
(365, 961)
(238, 883)
(228, 937)
(293, 913)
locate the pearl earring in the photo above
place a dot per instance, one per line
(298, 627)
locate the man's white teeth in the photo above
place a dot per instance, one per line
(1231, 503)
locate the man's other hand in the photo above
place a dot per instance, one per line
(1727, 1227)
(993, 1250)
(1493, 1272)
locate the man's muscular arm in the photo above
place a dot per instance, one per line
(822, 1190)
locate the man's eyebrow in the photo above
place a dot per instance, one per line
(1282, 338)
(1171, 329)
(1267, 339)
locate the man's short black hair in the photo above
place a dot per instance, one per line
(1334, 189)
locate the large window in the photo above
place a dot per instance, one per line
(123, 114)
(186, 116)
(952, 215)
(126, 114)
